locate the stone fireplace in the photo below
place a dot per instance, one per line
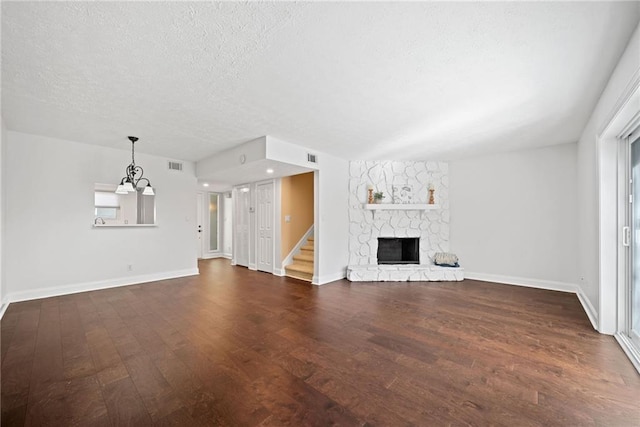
(426, 225)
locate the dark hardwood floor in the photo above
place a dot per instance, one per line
(241, 348)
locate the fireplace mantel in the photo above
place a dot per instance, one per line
(400, 207)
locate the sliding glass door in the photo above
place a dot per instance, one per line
(632, 238)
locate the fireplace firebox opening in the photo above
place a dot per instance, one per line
(398, 250)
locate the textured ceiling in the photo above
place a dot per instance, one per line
(357, 80)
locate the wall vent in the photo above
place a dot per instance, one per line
(175, 166)
(311, 158)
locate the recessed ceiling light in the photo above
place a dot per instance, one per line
(269, 170)
(206, 184)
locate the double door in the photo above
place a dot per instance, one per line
(255, 226)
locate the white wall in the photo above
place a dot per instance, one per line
(513, 217)
(3, 143)
(292, 154)
(625, 73)
(50, 244)
(331, 219)
(253, 151)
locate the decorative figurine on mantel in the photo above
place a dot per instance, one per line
(432, 190)
(370, 191)
(378, 196)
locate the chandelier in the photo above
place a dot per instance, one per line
(133, 176)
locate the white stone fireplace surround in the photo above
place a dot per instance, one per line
(429, 224)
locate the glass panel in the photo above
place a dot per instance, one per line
(106, 199)
(107, 213)
(123, 209)
(213, 222)
(634, 306)
(146, 206)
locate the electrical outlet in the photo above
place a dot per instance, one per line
(130, 267)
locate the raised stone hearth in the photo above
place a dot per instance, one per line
(403, 273)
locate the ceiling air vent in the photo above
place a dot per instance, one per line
(175, 166)
(311, 158)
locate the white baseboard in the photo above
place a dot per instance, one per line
(328, 278)
(632, 353)
(216, 255)
(289, 258)
(253, 267)
(100, 284)
(3, 308)
(523, 281)
(592, 314)
(278, 272)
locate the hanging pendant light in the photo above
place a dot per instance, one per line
(121, 189)
(148, 190)
(134, 174)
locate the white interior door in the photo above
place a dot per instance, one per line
(241, 215)
(199, 217)
(265, 213)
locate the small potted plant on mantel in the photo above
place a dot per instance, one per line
(378, 196)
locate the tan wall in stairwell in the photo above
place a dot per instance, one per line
(296, 201)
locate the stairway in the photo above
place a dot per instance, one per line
(302, 266)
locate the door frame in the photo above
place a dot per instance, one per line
(213, 253)
(238, 196)
(625, 320)
(199, 224)
(612, 183)
(274, 237)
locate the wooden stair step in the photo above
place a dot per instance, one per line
(303, 263)
(301, 276)
(300, 271)
(304, 257)
(302, 268)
